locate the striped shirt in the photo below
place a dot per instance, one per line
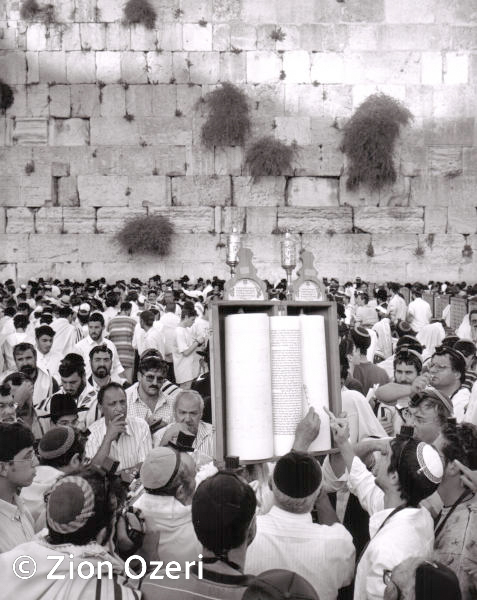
(130, 449)
(164, 408)
(120, 332)
(204, 440)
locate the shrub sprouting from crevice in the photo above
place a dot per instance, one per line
(228, 121)
(151, 234)
(140, 11)
(32, 11)
(369, 139)
(269, 156)
(6, 96)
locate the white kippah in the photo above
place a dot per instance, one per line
(430, 462)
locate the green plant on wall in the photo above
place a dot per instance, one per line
(140, 11)
(32, 11)
(149, 234)
(369, 140)
(228, 121)
(6, 96)
(269, 156)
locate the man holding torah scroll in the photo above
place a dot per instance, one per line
(286, 536)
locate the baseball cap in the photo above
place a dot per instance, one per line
(84, 307)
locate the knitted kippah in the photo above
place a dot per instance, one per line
(56, 442)
(70, 504)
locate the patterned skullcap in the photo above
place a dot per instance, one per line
(70, 504)
(56, 442)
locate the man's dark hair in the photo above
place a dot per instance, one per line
(64, 312)
(125, 306)
(20, 321)
(14, 437)
(466, 347)
(23, 347)
(96, 317)
(457, 361)
(112, 299)
(171, 307)
(77, 447)
(360, 342)
(187, 312)
(109, 386)
(147, 317)
(72, 363)
(414, 486)
(152, 363)
(44, 330)
(98, 349)
(460, 442)
(408, 358)
(364, 296)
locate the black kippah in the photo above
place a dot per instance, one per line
(297, 475)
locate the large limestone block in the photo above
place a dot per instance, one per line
(431, 68)
(196, 10)
(328, 247)
(408, 11)
(233, 67)
(180, 67)
(52, 66)
(10, 190)
(149, 191)
(201, 191)
(187, 98)
(133, 67)
(157, 130)
(261, 219)
(113, 101)
(54, 247)
(13, 248)
(204, 67)
(456, 70)
(293, 129)
(445, 160)
(228, 160)
(79, 220)
(143, 39)
(109, 11)
(102, 191)
(169, 36)
(462, 219)
(389, 220)
(19, 220)
(456, 131)
(400, 247)
(364, 10)
(242, 36)
(313, 191)
(396, 194)
(221, 37)
(268, 100)
(68, 191)
(49, 219)
(36, 189)
(296, 65)
(164, 100)
(435, 219)
(263, 66)
(111, 220)
(446, 249)
(8, 39)
(60, 101)
(85, 100)
(324, 161)
(114, 131)
(363, 36)
(197, 38)
(189, 219)
(266, 191)
(170, 160)
(469, 161)
(315, 220)
(327, 67)
(101, 248)
(139, 100)
(233, 216)
(199, 160)
(93, 36)
(69, 132)
(187, 246)
(108, 66)
(118, 37)
(259, 12)
(80, 67)
(38, 100)
(444, 191)
(159, 65)
(323, 37)
(71, 39)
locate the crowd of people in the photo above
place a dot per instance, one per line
(107, 453)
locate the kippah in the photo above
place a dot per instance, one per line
(430, 462)
(279, 584)
(361, 332)
(56, 442)
(70, 504)
(297, 475)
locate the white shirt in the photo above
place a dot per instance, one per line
(130, 449)
(85, 346)
(153, 338)
(16, 524)
(12, 340)
(397, 308)
(65, 336)
(323, 554)
(168, 323)
(460, 401)
(420, 313)
(49, 362)
(409, 532)
(186, 368)
(204, 440)
(471, 412)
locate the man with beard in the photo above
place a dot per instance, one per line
(73, 382)
(95, 338)
(44, 384)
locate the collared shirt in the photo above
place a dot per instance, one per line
(164, 408)
(397, 308)
(323, 554)
(85, 346)
(204, 440)
(130, 449)
(16, 524)
(460, 400)
(409, 532)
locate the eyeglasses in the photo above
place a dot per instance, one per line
(154, 378)
(387, 580)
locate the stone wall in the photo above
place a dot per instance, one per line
(72, 167)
